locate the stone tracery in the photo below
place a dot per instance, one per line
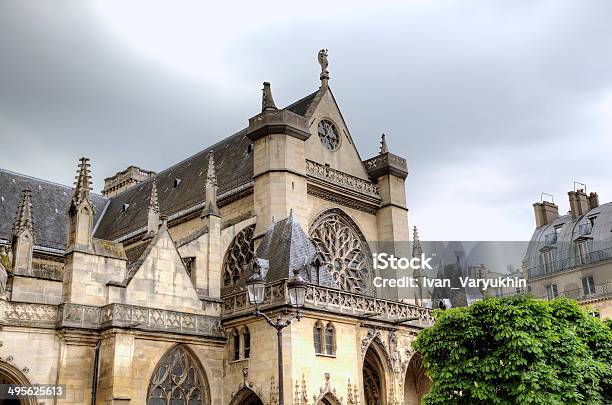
(239, 254)
(343, 249)
(177, 380)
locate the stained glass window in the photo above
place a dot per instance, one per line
(178, 381)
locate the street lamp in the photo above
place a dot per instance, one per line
(296, 287)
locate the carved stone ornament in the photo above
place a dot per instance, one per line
(328, 134)
(326, 389)
(341, 179)
(343, 250)
(239, 255)
(365, 342)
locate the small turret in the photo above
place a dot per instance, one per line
(267, 102)
(211, 207)
(81, 212)
(153, 218)
(417, 249)
(23, 235)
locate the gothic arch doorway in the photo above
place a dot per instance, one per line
(416, 384)
(9, 374)
(178, 379)
(328, 399)
(246, 396)
(374, 383)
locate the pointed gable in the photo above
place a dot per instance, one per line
(345, 157)
(157, 277)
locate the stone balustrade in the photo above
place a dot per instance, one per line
(341, 179)
(108, 316)
(334, 300)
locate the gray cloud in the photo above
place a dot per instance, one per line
(490, 103)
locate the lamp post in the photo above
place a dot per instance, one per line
(296, 286)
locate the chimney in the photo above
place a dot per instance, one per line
(545, 213)
(593, 200)
(579, 202)
(124, 180)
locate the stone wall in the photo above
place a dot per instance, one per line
(27, 289)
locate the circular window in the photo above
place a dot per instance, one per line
(328, 134)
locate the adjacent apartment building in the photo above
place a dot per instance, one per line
(571, 254)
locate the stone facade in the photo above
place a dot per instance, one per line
(150, 281)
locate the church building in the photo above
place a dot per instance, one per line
(138, 295)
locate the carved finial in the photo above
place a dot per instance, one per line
(153, 219)
(324, 63)
(417, 250)
(83, 183)
(211, 175)
(267, 102)
(23, 221)
(383, 144)
(211, 207)
(153, 202)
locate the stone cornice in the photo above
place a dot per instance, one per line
(387, 163)
(278, 122)
(344, 198)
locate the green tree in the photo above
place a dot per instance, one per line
(517, 350)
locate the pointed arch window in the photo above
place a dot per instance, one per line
(239, 254)
(246, 339)
(177, 380)
(330, 339)
(317, 333)
(235, 345)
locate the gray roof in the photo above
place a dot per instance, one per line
(286, 247)
(234, 167)
(598, 222)
(50, 203)
(300, 107)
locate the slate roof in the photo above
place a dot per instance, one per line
(127, 212)
(50, 203)
(234, 167)
(300, 107)
(286, 247)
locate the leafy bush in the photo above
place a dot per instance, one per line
(518, 350)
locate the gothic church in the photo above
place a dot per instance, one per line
(137, 296)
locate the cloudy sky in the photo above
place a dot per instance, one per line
(492, 103)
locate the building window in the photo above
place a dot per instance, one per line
(235, 345)
(583, 252)
(330, 340)
(178, 379)
(239, 255)
(246, 338)
(343, 250)
(558, 232)
(317, 334)
(547, 259)
(588, 285)
(551, 291)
